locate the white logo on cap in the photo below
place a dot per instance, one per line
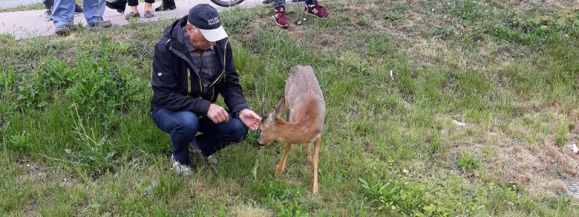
(213, 21)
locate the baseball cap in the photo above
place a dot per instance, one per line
(207, 20)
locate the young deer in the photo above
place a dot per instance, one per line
(306, 108)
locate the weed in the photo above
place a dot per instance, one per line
(467, 162)
(394, 75)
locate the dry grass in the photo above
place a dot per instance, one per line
(520, 154)
(247, 211)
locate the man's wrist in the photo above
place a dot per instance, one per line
(238, 113)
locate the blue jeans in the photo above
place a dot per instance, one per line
(184, 125)
(63, 11)
(279, 3)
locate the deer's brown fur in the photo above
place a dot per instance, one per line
(304, 102)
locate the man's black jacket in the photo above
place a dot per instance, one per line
(176, 83)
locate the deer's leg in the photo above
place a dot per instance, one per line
(309, 153)
(316, 157)
(281, 165)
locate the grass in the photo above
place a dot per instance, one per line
(28, 7)
(77, 138)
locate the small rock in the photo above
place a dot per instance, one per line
(443, 132)
(574, 148)
(149, 190)
(458, 123)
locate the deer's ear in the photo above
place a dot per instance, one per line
(279, 105)
(271, 115)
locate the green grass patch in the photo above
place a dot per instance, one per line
(28, 7)
(77, 138)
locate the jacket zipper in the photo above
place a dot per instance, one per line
(223, 63)
(198, 76)
(190, 65)
(189, 81)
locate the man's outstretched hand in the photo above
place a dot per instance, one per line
(250, 119)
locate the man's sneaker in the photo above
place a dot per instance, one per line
(211, 160)
(47, 14)
(165, 8)
(77, 9)
(100, 23)
(317, 10)
(194, 148)
(180, 168)
(62, 31)
(119, 5)
(280, 18)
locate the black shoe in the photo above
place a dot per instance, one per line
(163, 8)
(62, 31)
(100, 23)
(77, 9)
(118, 5)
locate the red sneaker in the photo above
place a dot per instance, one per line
(317, 10)
(280, 18)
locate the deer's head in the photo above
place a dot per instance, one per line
(267, 129)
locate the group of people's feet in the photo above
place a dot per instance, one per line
(47, 13)
(120, 6)
(315, 10)
(312, 8)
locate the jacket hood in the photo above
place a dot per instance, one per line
(174, 34)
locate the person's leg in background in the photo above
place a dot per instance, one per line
(63, 16)
(47, 13)
(118, 5)
(166, 5)
(92, 13)
(279, 15)
(149, 9)
(134, 10)
(315, 9)
(101, 10)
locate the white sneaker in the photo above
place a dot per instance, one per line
(212, 161)
(180, 168)
(47, 15)
(194, 148)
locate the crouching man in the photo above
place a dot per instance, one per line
(192, 66)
